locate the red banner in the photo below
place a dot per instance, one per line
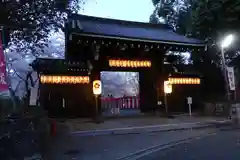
(3, 73)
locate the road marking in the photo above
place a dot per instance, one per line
(144, 152)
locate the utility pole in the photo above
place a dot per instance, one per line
(226, 42)
(224, 68)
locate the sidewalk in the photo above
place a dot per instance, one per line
(85, 127)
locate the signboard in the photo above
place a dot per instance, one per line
(219, 109)
(159, 103)
(231, 78)
(3, 73)
(167, 87)
(234, 109)
(34, 93)
(33, 96)
(189, 100)
(97, 87)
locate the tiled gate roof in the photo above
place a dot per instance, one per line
(135, 31)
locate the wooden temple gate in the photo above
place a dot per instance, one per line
(97, 44)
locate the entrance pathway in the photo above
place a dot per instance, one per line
(113, 147)
(139, 124)
(82, 146)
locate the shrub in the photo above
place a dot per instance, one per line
(6, 106)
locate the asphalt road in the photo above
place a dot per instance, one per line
(113, 146)
(224, 145)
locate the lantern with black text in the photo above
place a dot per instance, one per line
(167, 87)
(97, 87)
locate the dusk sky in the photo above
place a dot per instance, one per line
(132, 10)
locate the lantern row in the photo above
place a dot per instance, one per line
(129, 63)
(146, 46)
(65, 79)
(184, 80)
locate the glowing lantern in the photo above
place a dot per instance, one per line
(124, 63)
(185, 80)
(149, 64)
(139, 64)
(176, 81)
(190, 81)
(167, 87)
(128, 63)
(198, 81)
(64, 79)
(97, 87)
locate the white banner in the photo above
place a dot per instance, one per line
(231, 78)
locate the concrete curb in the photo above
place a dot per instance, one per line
(153, 128)
(145, 152)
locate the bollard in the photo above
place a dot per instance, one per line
(117, 111)
(235, 114)
(130, 103)
(53, 128)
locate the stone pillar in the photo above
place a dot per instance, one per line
(147, 88)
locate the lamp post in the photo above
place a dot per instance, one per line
(97, 90)
(226, 42)
(167, 90)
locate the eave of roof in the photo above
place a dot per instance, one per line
(128, 30)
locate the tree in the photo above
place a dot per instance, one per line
(198, 19)
(36, 29)
(175, 13)
(212, 21)
(29, 22)
(224, 14)
(171, 12)
(21, 77)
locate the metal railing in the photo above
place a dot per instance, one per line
(114, 105)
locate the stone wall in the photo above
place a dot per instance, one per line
(217, 109)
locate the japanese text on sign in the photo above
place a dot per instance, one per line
(189, 100)
(231, 78)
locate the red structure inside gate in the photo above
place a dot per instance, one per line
(121, 103)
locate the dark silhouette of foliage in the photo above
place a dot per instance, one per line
(209, 21)
(30, 22)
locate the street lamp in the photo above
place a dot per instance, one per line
(97, 90)
(226, 42)
(167, 90)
